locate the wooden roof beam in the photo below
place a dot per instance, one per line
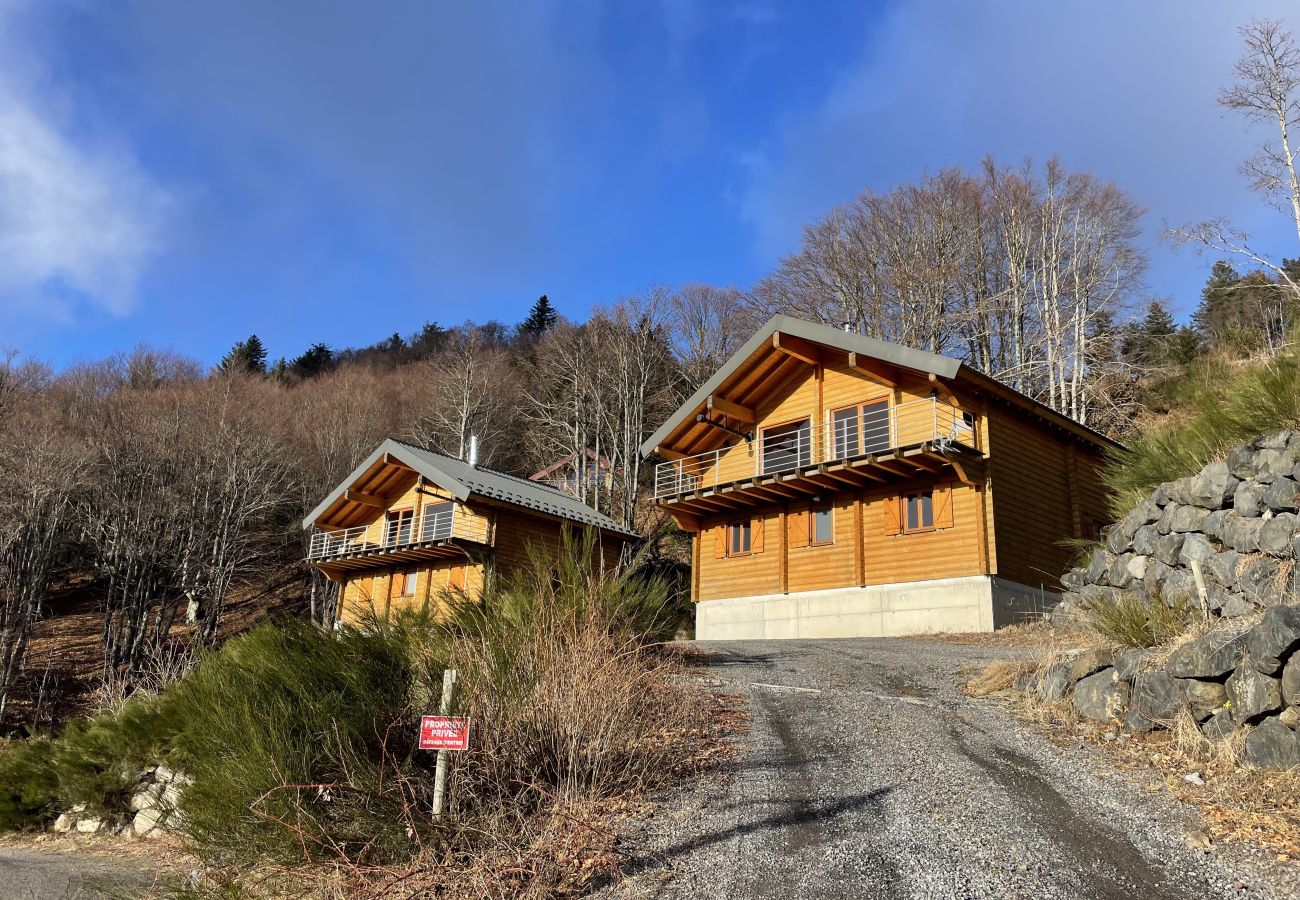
(871, 368)
(365, 499)
(798, 348)
(732, 410)
(943, 390)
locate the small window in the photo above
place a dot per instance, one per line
(408, 580)
(875, 427)
(845, 424)
(861, 429)
(920, 512)
(740, 537)
(398, 527)
(821, 526)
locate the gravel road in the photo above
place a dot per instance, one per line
(866, 773)
(28, 874)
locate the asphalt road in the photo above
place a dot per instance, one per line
(866, 773)
(28, 874)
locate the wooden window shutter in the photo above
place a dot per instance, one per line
(797, 528)
(756, 535)
(893, 515)
(720, 547)
(943, 507)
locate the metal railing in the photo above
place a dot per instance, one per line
(802, 444)
(435, 524)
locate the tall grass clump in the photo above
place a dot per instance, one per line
(1222, 411)
(1129, 621)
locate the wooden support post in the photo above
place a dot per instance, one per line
(859, 549)
(444, 757)
(783, 543)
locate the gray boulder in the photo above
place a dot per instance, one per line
(1117, 574)
(1276, 534)
(1101, 697)
(1057, 679)
(1241, 534)
(1211, 656)
(1271, 745)
(1236, 605)
(1155, 699)
(1097, 565)
(1168, 548)
(1212, 527)
(1188, 518)
(1252, 694)
(1274, 639)
(1177, 491)
(1248, 499)
(1142, 514)
(1291, 681)
(1179, 587)
(1213, 487)
(1072, 580)
(1204, 698)
(1258, 580)
(1273, 440)
(1144, 540)
(1137, 567)
(1241, 462)
(1196, 548)
(1129, 662)
(1116, 541)
(1272, 464)
(1223, 567)
(1281, 494)
(1219, 726)
(1157, 572)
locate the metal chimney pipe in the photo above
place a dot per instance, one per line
(473, 450)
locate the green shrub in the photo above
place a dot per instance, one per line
(1224, 411)
(300, 744)
(1131, 621)
(98, 761)
(29, 796)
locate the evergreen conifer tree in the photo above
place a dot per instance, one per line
(247, 357)
(541, 318)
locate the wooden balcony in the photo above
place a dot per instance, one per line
(393, 539)
(908, 441)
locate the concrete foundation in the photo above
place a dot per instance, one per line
(954, 605)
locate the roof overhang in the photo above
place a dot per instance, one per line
(393, 461)
(784, 345)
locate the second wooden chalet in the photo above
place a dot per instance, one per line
(410, 526)
(839, 486)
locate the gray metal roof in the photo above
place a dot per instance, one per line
(463, 480)
(896, 354)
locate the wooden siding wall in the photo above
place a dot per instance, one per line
(379, 590)
(467, 523)
(786, 564)
(1046, 488)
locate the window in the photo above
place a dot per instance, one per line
(920, 511)
(845, 424)
(740, 536)
(398, 526)
(787, 447)
(859, 429)
(408, 580)
(821, 526)
(437, 521)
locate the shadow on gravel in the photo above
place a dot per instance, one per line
(723, 659)
(1103, 857)
(798, 821)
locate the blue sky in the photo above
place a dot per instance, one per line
(183, 174)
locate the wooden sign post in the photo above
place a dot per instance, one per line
(443, 733)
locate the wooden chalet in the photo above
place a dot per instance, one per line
(838, 486)
(409, 527)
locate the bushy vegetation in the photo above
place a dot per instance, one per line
(1219, 408)
(300, 742)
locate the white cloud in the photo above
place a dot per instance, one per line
(79, 218)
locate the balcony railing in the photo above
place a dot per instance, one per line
(802, 444)
(434, 525)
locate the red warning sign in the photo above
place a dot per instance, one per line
(444, 733)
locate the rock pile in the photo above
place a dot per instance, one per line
(1235, 521)
(154, 807)
(1227, 680)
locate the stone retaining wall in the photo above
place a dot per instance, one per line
(154, 808)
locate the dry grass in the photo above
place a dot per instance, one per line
(999, 676)
(1027, 634)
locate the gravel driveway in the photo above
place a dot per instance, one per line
(866, 773)
(30, 874)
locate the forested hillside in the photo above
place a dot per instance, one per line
(157, 486)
